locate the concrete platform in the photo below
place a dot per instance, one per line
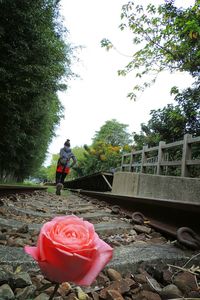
(157, 186)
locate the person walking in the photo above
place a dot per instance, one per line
(63, 166)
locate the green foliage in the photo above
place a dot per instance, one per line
(51, 169)
(113, 133)
(103, 157)
(105, 152)
(41, 174)
(166, 37)
(109, 143)
(34, 65)
(173, 121)
(76, 171)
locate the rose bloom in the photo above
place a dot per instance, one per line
(69, 249)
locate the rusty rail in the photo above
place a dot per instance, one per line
(18, 189)
(175, 218)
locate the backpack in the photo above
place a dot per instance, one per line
(63, 161)
(65, 155)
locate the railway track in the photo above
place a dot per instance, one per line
(177, 219)
(6, 189)
(142, 255)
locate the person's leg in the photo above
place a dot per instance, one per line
(63, 178)
(59, 185)
(58, 177)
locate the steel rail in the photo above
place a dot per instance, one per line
(178, 219)
(18, 189)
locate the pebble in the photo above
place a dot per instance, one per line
(145, 284)
(109, 285)
(113, 274)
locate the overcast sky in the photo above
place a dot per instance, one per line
(100, 94)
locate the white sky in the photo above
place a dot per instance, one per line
(100, 94)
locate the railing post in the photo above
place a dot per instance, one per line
(122, 169)
(160, 157)
(186, 154)
(144, 159)
(131, 161)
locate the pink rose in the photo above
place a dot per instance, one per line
(69, 249)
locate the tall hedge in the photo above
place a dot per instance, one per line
(35, 63)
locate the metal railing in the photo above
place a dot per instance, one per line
(161, 158)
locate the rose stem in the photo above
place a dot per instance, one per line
(54, 291)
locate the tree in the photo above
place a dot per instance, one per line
(51, 169)
(41, 174)
(113, 133)
(173, 121)
(106, 150)
(101, 157)
(167, 38)
(35, 63)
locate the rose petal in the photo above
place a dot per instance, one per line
(63, 267)
(33, 251)
(103, 255)
(78, 246)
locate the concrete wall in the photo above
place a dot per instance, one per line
(156, 186)
(125, 183)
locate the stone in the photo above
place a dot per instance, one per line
(2, 236)
(3, 242)
(23, 229)
(194, 294)
(122, 286)
(130, 282)
(95, 295)
(136, 290)
(81, 294)
(4, 276)
(140, 278)
(71, 296)
(6, 292)
(133, 232)
(148, 295)
(26, 293)
(21, 280)
(42, 296)
(142, 229)
(49, 289)
(171, 291)
(18, 242)
(113, 274)
(153, 284)
(186, 282)
(102, 279)
(167, 276)
(64, 288)
(114, 295)
(37, 281)
(157, 241)
(11, 242)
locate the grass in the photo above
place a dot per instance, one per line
(52, 190)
